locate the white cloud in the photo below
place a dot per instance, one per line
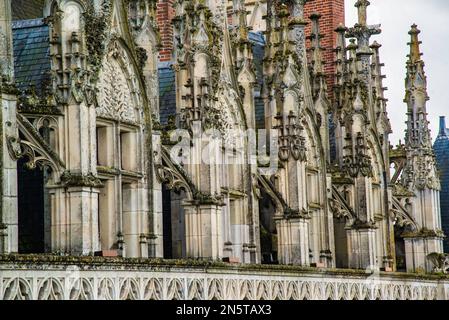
(396, 17)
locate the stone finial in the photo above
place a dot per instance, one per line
(362, 5)
(415, 53)
(298, 8)
(352, 45)
(375, 46)
(341, 28)
(361, 30)
(315, 16)
(341, 34)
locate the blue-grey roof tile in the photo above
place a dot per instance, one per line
(258, 41)
(167, 93)
(441, 148)
(31, 53)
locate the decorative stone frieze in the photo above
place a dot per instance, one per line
(94, 278)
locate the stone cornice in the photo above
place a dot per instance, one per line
(47, 262)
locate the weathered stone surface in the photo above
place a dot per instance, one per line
(167, 163)
(137, 279)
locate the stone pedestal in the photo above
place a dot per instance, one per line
(416, 251)
(203, 232)
(293, 241)
(362, 248)
(74, 221)
(135, 222)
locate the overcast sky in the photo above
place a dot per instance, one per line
(396, 17)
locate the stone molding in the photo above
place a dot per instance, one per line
(70, 278)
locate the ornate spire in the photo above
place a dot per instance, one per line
(416, 80)
(316, 57)
(141, 11)
(377, 71)
(418, 133)
(340, 51)
(297, 26)
(341, 65)
(239, 16)
(315, 38)
(381, 106)
(227, 70)
(243, 28)
(352, 60)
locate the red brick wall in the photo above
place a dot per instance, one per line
(332, 14)
(165, 14)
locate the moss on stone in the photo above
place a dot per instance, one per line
(46, 260)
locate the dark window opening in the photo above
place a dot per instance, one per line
(268, 234)
(167, 223)
(31, 208)
(341, 244)
(399, 249)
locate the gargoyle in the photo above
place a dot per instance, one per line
(440, 261)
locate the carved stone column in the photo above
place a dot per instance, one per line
(8, 128)
(74, 217)
(156, 246)
(82, 218)
(135, 220)
(415, 258)
(293, 240)
(8, 174)
(362, 245)
(362, 248)
(417, 248)
(203, 231)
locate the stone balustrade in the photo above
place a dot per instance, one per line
(56, 277)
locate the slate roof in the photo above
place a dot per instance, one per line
(167, 92)
(258, 41)
(441, 148)
(31, 53)
(27, 9)
(167, 88)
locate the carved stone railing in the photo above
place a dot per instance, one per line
(54, 277)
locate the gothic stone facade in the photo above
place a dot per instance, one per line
(88, 165)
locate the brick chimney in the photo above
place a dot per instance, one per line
(165, 14)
